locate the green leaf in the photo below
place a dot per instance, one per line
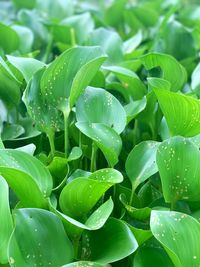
(59, 169)
(141, 235)
(158, 83)
(132, 43)
(94, 222)
(144, 154)
(105, 244)
(27, 176)
(21, 4)
(169, 65)
(130, 81)
(46, 117)
(151, 257)
(6, 224)
(171, 37)
(9, 85)
(136, 213)
(27, 66)
(55, 10)
(75, 153)
(12, 131)
(97, 105)
(80, 195)
(109, 41)
(24, 33)
(105, 138)
(82, 26)
(30, 149)
(37, 238)
(84, 264)
(134, 108)
(182, 112)
(9, 40)
(69, 74)
(179, 234)
(178, 164)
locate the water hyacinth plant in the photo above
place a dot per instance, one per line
(99, 133)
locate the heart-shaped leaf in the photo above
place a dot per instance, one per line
(46, 116)
(104, 137)
(26, 175)
(141, 162)
(37, 238)
(109, 41)
(75, 153)
(105, 244)
(6, 223)
(182, 112)
(27, 66)
(178, 164)
(169, 65)
(94, 222)
(80, 195)
(69, 74)
(99, 106)
(179, 233)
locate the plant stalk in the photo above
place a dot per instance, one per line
(93, 157)
(66, 134)
(132, 195)
(51, 136)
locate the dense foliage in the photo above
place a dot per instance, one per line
(100, 133)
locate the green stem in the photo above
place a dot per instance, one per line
(66, 135)
(51, 136)
(135, 132)
(93, 157)
(173, 205)
(48, 49)
(76, 247)
(73, 37)
(132, 195)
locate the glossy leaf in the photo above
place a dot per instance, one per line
(179, 234)
(182, 112)
(178, 164)
(151, 256)
(104, 137)
(110, 239)
(37, 237)
(26, 176)
(136, 213)
(6, 222)
(141, 162)
(169, 65)
(84, 264)
(27, 66)
(69, 74)
(109, 41)
(9, 82)
(95, 221)
(80, 195)
(99, 106)
(75, 153)
(46, 116)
